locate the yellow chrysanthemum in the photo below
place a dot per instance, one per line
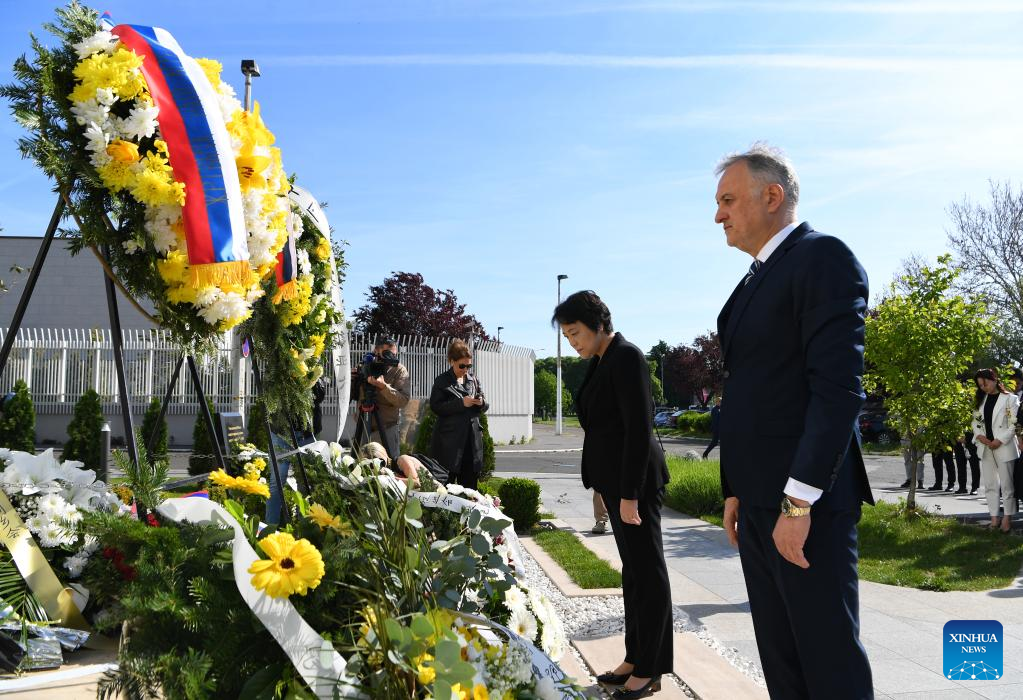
(154, 188)
(174, 267)
(294, 566)
(317, 342)
(117, 175)
(479, 692)
(222, 478)
(322, 517)
(212, 69)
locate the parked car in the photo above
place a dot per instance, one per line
(698, 408)
(662, 418)
(874, 427)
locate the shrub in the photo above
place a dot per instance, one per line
(84, 431)
(491, 486)
(693, 422)
(158, 450)
(489, 458)
(202, 460)
(18, 420)
(425, 432)
(520, 501)
(255, 422)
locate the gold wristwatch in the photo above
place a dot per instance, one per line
(791, 510)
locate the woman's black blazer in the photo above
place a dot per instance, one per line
(455, 421)
(621, 457)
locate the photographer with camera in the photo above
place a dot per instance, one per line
(383, 390)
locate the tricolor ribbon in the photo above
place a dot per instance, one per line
(287, 271)
(199, 149)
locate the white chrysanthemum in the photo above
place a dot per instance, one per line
(91, 544)
(37, 523)
(52, 505)
(131, 246)
(207, 295)
(75, 564)
(52, 535)
(547, 689)
(161, 234)
(140, 123)
(106, 96)
(100, 41)
(304, 267)
(96, 144)
(90, 111)
(71, 515)
(523, 623)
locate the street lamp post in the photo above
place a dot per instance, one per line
(499, 329)
(250, 70)
(558, 428)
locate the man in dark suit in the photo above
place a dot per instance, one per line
(791, 469)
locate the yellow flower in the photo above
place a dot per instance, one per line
(174, 268)
(317, 343)
(426, 674)
(212, 69)
(322, 250)
(319, 515)
(123, 151)
(222, 478)
(479, 692)
(250, 171)
(295, 566)
(117, 175)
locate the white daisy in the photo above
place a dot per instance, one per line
(523, 624)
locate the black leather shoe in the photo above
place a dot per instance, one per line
(973, 492)
(904, 484)
(612, 678)
(936, 487)
(950, 487)
(961, 491)
(919, 485)
(651, 687)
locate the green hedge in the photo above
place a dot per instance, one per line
(84, 440)
(202, 460)
(520, 501)
(693, 422)
(159, 448)
(18, 420)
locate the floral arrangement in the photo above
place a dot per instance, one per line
(51, 498)
(95, 129)
(403, 592)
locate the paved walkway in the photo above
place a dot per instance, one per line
(901, 627)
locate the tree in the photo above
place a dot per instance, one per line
(656, 358)
(573, 372)
(18, 420)
(84, 431)
(149, 425)
(695, 370)
(405, 305)
(988, 243)
(656, 390)
(918, 343)
(202, 460)
(545, 394)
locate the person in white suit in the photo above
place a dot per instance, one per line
(994, 425)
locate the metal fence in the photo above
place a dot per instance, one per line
(59, 365)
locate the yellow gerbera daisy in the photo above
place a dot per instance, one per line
(294, 566)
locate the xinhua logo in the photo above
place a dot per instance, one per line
(973, 650)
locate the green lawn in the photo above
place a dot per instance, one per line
(920, 549)
(881, 448)
(582, 566)
(566, 421)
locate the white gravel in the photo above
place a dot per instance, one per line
(601, 616)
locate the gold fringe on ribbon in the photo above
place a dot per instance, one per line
(286, 292)
(219, 274)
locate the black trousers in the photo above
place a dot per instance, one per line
(943, 459)
(645, 587)
(713, 443)
(806, 621)
(466, 475)
(961, 450)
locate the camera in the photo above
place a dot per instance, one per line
(374, 365)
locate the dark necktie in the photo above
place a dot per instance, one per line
(753, 269)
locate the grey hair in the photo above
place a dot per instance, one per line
(768, 166)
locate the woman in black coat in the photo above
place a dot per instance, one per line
(457, 399)
(622, 461)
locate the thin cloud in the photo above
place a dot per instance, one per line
(895, 64)
(907, 7)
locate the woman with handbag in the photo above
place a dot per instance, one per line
(457, 399)
(623, 463)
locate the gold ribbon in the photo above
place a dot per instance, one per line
(44, 584)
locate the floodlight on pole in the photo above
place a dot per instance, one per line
(499, 329)
(558, 427)
(250, 70)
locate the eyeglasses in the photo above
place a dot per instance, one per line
(464, 366)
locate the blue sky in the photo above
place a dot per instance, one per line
(493, 145)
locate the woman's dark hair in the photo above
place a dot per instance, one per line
(586, 308)
(458, 350)
(991, 374)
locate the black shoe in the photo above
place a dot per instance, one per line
(651, 687)
(612, 678)
(961, 491)
(936, 487)
(904, 484)
(950, 487)
(920, 486)
(973, 492)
